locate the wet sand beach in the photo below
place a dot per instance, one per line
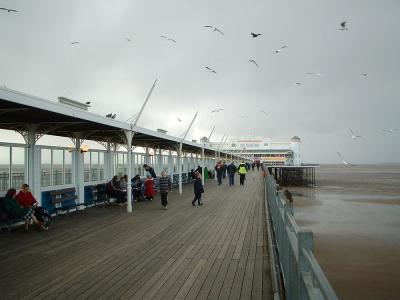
(355, 216)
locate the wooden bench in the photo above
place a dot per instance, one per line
(99, 195)
(5, 219)
(65, 199)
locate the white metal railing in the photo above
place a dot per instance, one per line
(303, 278)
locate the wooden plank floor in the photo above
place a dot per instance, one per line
(215, 251)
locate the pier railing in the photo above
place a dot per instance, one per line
(302, 276)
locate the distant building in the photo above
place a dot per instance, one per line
(266, 150)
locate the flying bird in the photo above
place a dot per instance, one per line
(298, 83)
(344, 161)
(264, 112)
(280, 49)
(391, 130)
(364, 74)
(253, 61)
(215, 29)
(354, 136)
(73, 43)
(211, 70)
(8, 9)
(128, 39)
(167, 38)
(254, 35)
(179, 119)
(343, 26)
(314, 73)
(217, 110)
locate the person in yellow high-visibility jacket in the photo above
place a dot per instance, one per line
(242, 170)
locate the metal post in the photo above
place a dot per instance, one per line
(129, 136)
(179, 167)
(203, 164)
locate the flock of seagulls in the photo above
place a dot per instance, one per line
(214, 29)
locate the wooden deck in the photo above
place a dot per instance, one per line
(215, 251)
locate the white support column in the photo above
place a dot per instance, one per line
(215, 163)
(33, 163)
(129, 136)
(203, 165)
(78, 170)
(180, 167)
(170, 162)
(160, 161)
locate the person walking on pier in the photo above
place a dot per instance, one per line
(198, 190)
(219, 168)
(224, 169)
(242, 169)
(165, 187)
(231, 173)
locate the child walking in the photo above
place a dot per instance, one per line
(165, 187)
(198, 189)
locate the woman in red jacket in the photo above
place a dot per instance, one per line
(25, 197)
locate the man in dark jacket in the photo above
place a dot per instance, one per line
(150, 170)
(231, 173)
(165, 187)
(219, 168)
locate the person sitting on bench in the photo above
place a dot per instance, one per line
(16, 211)
(25, 197)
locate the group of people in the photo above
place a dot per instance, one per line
(23, 205)
(141, 190)
(223, 170)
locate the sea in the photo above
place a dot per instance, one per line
(354, 213)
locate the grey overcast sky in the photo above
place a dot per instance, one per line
(37, 57)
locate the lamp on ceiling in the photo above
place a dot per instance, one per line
(84, 148)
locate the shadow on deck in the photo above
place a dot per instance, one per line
(216, 251)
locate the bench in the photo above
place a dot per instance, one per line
(64, 200)
(5, 220)
(99, 195)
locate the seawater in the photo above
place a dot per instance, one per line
(355, 216)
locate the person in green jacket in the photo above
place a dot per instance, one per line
(14, 210)
(242, 170)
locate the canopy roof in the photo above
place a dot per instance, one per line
(20, 111)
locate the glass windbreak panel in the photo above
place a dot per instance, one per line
(94, 166)
(46, 167)
(17, 167)
(120, 164)
(101, 165)
(58, 161)
(125, 165)
(68, 166)
(86, 166)
(4, 168)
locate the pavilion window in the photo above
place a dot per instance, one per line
(57, 168)
(67, 167)
(86, 166)
(5, 163)
(46, 161)
(101, 165)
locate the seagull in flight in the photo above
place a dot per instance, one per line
(298, 83)
(391, 130)
(73, 43)
(8, 9)
(217, 110)
(354, 136)
(211, 70)
(345, 162)
(265, 113)
(128, 39)
(253, 61)
(364, 74)
(280, 49)
(254, 35)
(179, 119)
(215, 29)
(167, 38)
(343, 26)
